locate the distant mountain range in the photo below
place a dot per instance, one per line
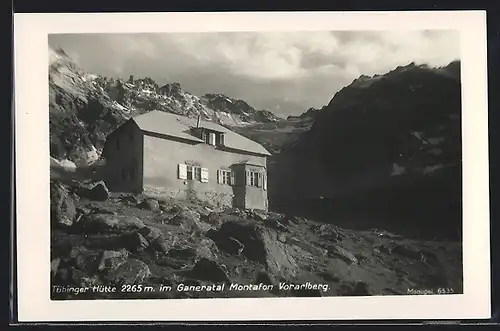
(85, 107)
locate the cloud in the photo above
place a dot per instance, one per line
(287, 72)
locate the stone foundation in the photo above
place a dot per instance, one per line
(211, 197)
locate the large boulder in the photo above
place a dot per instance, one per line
(83, 259)
(97, 191)
(133, 241)
(146, 237)
(150, 204)
(132, 272)
(188, 220)
(62, 206)
(151, 233)
(111, 223)
(111, 260)
(209, 270)
(260, 244)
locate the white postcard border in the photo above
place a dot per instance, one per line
(32, 171)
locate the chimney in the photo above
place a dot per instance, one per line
(198, 122)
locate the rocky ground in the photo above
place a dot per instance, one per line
(151, 248)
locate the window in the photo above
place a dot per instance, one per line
(220, 139)
(193, 173)
(208, 137)
(190, 175)
(212, 138)
(197, 173)
(256, 179)
(225, 177)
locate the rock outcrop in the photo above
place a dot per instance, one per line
(62, 205)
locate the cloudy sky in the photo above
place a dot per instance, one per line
(284, 72)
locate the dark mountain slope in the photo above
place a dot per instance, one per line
(388, 144)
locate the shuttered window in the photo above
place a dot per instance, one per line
(203, 175)
(248, 178)
(182, 171)
(256, 179)
(211, 139)
(192, 173)
(224, 177)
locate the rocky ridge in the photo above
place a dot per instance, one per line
(84, 107)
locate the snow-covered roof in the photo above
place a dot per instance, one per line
(180, 126)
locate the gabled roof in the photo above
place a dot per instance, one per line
(180, 126)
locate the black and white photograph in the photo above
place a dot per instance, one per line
(267, 164)
(194, 165)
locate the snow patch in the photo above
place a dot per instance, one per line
(54, 56)
(397, 170)
(120, 107)
(92, 155)
(67, 165)
(417, 134)
(430, 169)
